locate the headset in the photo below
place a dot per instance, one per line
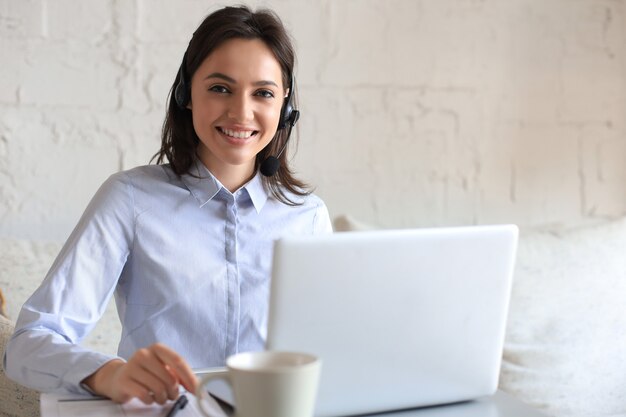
(182, 92)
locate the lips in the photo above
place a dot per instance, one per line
(237, 134)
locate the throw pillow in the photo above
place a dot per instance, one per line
(346, 223)
(2, 305)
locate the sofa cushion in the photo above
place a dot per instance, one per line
(15, 400)
(565, 349)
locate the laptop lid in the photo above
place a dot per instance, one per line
(400, 318)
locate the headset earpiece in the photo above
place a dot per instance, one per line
(288, 115)
(182, 92)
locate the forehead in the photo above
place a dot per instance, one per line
(245, 60)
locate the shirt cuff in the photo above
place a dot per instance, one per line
(84, 368)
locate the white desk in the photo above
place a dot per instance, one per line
(499, 405)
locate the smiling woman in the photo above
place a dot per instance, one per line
(236, 97)
(204, 218)
(243, 71)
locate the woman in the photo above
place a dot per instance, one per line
(185, 246)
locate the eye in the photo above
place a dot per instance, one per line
(265, 93)
(219, 89)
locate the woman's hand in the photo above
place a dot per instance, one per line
(152, 374)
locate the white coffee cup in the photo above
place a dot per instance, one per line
(269, 384)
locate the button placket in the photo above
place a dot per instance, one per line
(232, 272)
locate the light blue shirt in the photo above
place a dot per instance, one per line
(188, 261)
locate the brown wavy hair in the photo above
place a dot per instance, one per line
(179, 140)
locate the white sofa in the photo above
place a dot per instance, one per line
(565, 349)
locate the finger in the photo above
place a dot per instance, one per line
(144, 395)
(151, 383)
(173, 390)
(132, 389)
(149, 362)
(178, 365)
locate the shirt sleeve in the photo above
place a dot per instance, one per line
(44, 353)
(322, 223)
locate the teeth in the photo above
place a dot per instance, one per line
(239, 134)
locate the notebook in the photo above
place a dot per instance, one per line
(400, 318)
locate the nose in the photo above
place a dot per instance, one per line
(241, 108)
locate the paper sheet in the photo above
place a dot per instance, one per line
(57, 405)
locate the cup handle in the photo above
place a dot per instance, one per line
(202, 394)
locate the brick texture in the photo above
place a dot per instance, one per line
(415, 113)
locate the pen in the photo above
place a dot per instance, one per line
(76, 400)
(180, 403)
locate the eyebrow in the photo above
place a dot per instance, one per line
(232, 80)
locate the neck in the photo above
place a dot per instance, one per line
(232, 177)
(231, 180)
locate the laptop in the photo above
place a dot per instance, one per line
(400, 318)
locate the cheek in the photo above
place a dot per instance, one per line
(203, 116)
(272, 117)
(200, 123)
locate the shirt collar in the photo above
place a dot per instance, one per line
(201, 183)
(257, 191)
(204, 186)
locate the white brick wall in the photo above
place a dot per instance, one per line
(415, 113)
